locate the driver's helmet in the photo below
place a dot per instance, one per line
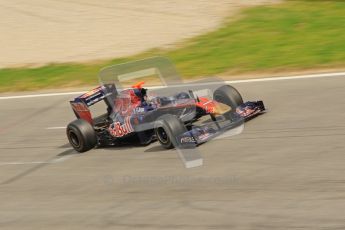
(140, 91)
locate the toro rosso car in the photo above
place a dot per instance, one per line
(182, 120)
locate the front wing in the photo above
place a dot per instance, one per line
(203, 133)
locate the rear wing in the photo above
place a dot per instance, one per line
(81, 104)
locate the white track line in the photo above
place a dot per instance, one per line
(60, 127)
(297, 77)
(54, 161)
(41, 95)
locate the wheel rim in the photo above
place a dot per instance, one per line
(162, 135)
(74, 139)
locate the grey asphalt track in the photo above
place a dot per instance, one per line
(285, 171)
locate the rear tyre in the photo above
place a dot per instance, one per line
(81, 135)
(167, 128)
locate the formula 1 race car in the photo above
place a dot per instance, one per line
(182, 120)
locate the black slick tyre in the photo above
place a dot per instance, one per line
(167, 128)
(81, 135)
(228, 95)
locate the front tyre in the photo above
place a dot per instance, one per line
(167, 128)
(228, 95)
(81, 135)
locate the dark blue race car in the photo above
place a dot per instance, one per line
(181, 120)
